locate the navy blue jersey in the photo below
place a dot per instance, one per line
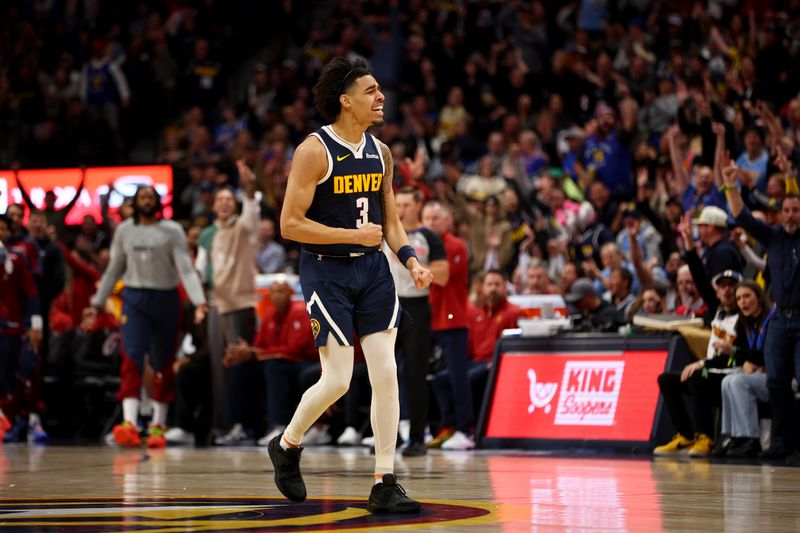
(349, 195)
(101, 87)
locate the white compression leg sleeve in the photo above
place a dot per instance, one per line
(337, 370)
(385, 408)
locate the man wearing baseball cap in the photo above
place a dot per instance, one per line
(720, 253)
(598, 314)
(702, 379)
(726, 274)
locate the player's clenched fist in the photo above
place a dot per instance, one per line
(422, 276)
(370, 234)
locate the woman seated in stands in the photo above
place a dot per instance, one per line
(742, 391)
(653, 301)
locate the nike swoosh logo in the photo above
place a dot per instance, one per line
(342, 158)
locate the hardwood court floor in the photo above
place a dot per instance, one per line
(94, 488)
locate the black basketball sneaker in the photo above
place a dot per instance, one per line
(389, 497)
(287, 470)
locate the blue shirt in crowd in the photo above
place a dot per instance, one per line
(611, 161)
(756, 167)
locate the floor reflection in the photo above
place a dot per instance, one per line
(523, 491)
(576, 493)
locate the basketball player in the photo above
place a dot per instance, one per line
(339, 204)
(149, 253)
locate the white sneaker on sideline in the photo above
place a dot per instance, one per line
(350, 437)
(179, 436)
(317, 436)
(368, 441)
(404, 428)
(233, 437)
(459, 441)
(277, 430)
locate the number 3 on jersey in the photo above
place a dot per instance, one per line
(363, 204)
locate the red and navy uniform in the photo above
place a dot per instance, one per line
(19, 298)
(27, 249)
(153, 334)
(19, 301)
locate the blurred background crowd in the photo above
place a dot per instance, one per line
(563, 140)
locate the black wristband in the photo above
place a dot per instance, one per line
(405, 253)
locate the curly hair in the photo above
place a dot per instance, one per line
(336, 77)
(137, 214)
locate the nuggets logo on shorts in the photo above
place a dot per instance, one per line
(315, 327)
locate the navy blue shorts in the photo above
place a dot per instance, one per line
(348, 294)
(150, 325)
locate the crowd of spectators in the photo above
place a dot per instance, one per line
(87, 81)
(578, 146)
